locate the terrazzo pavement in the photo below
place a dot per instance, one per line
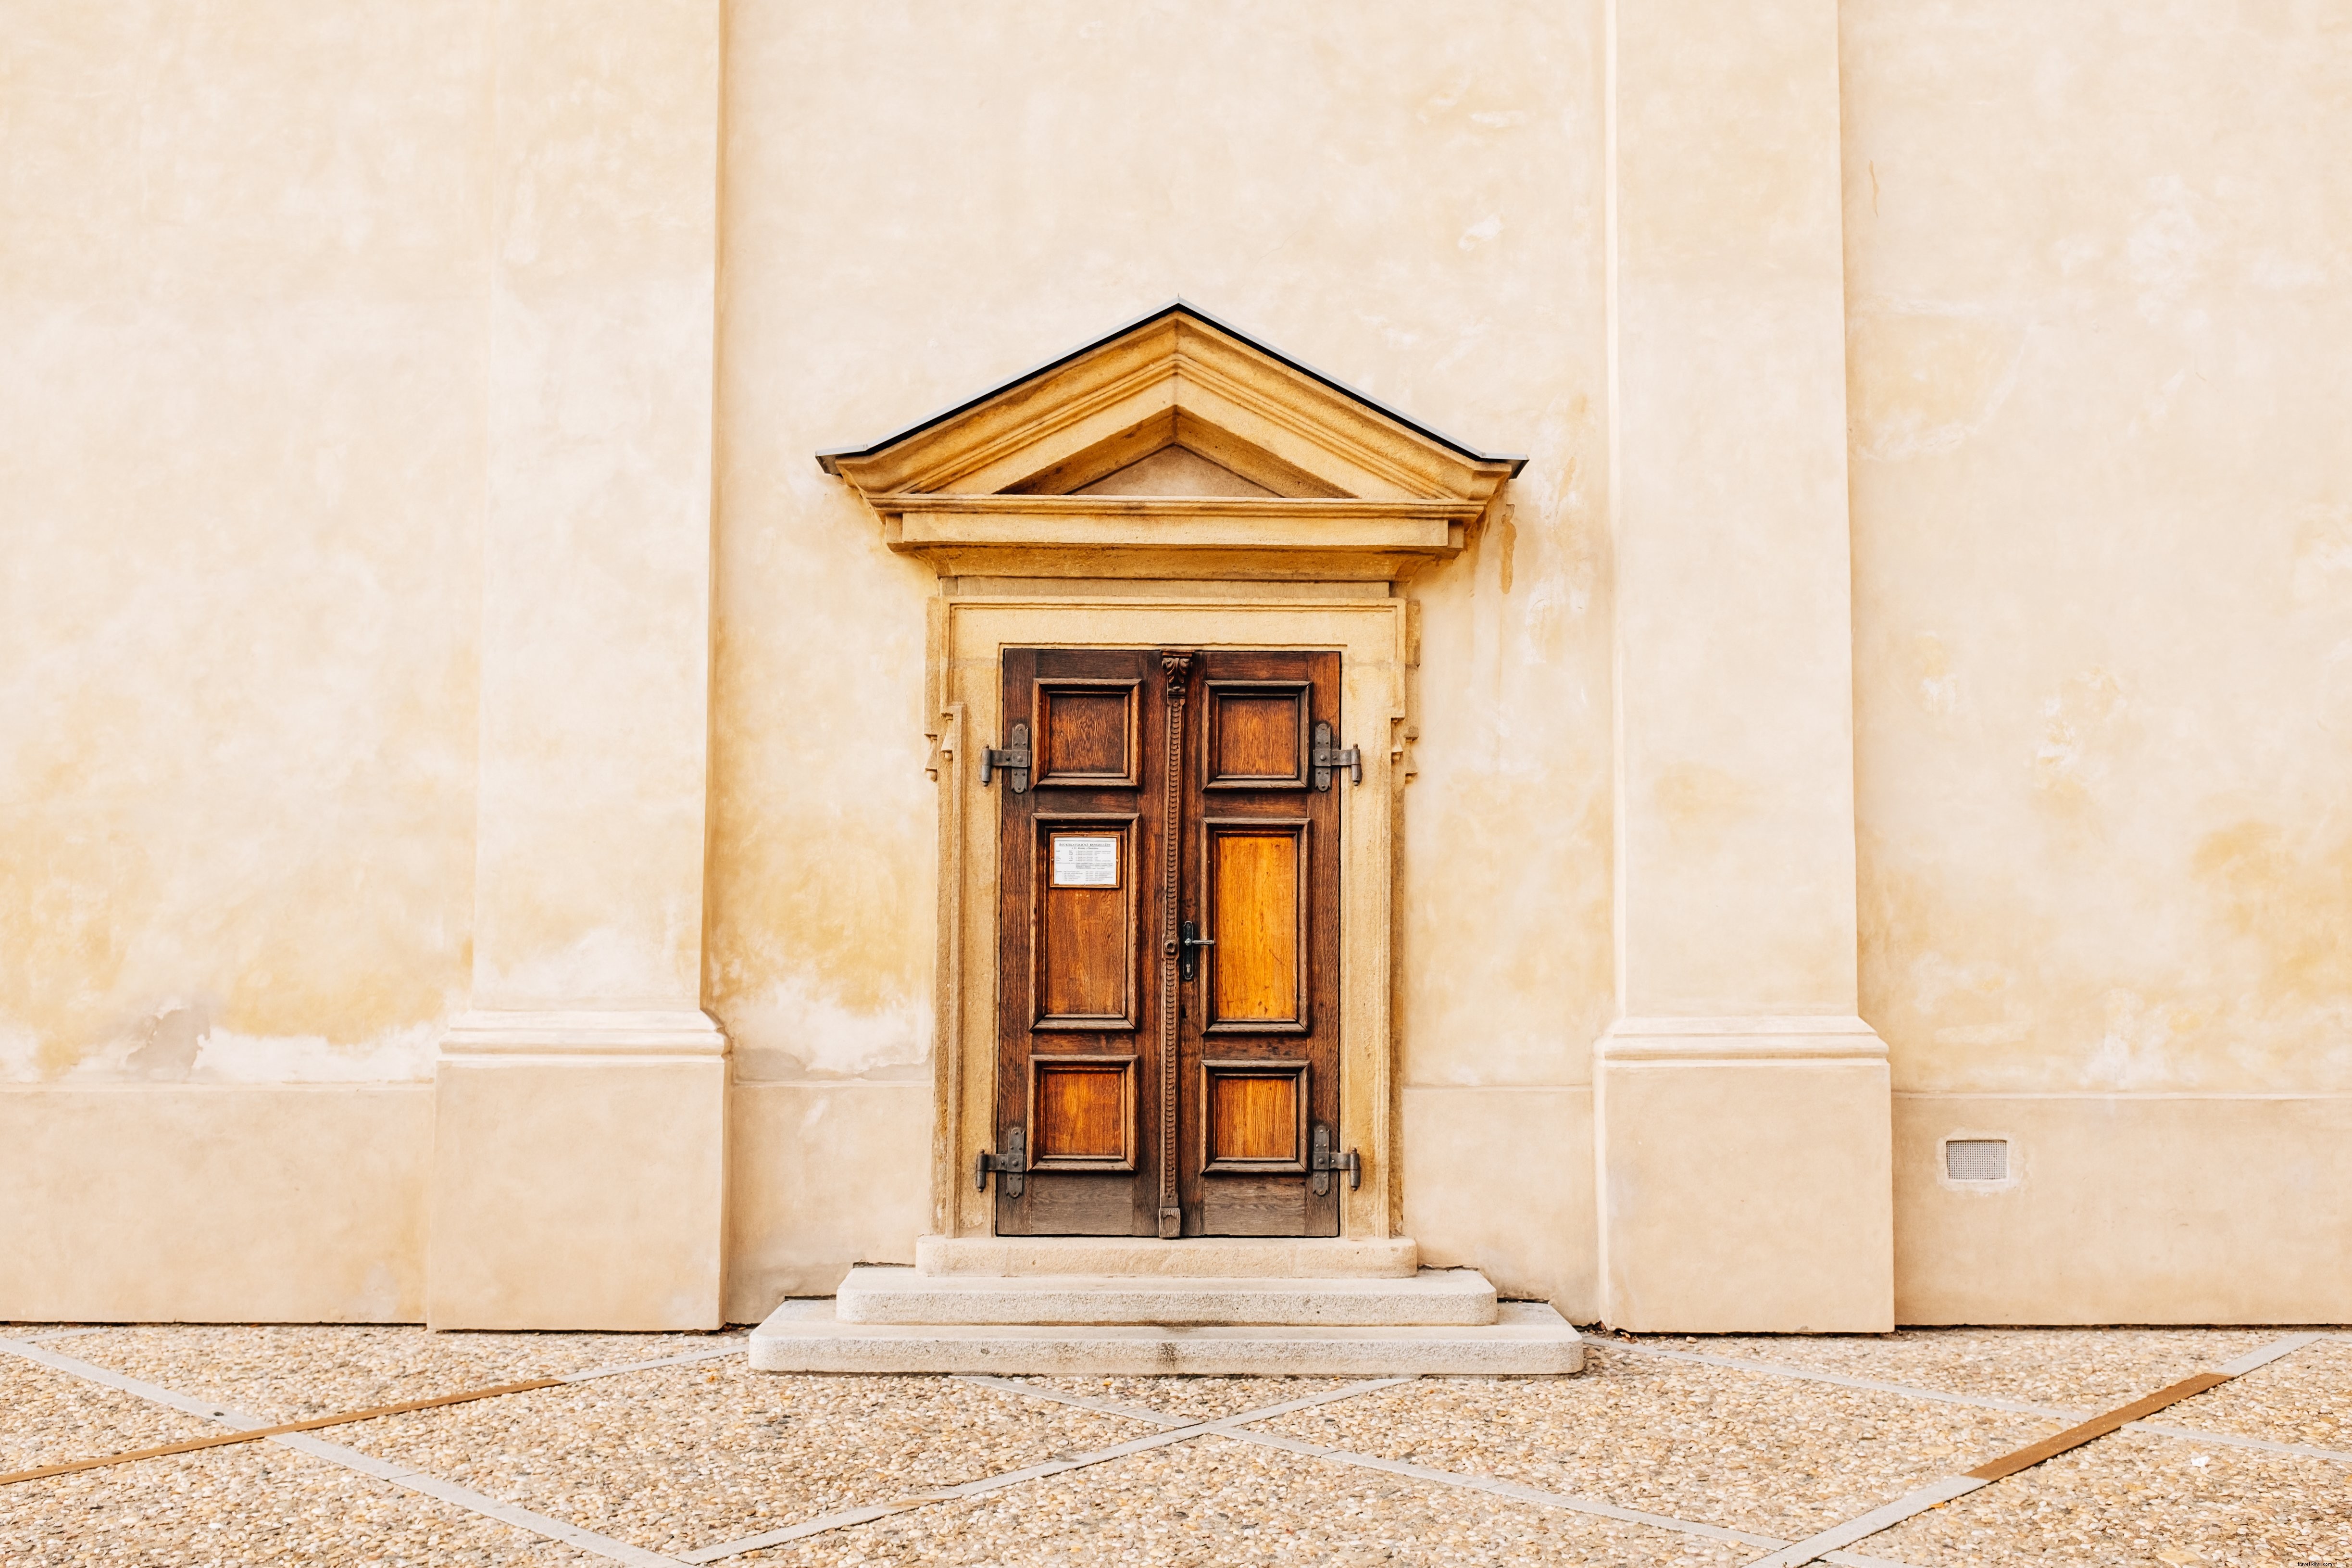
(680, 1460)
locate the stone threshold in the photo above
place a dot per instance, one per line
(1214, 1257)
(1454, 1297)
(1528, 1340)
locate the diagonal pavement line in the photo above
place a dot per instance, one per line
(2232, 1441)
(2246, 1363)
(402, 1476)
(410, 1478)
(1512, 1489)
(715, 1353)
(57, 1361)
(1082, 1401)
(1537, 1495)
(2265, 1354)
(1179, 1430)
(1231, 1426)
(980, 1488)
(1943, 1489)
(253, 1433)
(1935, 1494)
(1806, 1374)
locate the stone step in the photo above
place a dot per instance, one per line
(1455, 1297)
(1210, 1257)
(1530, 1340)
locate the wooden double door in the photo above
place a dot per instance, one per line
(1168, 933)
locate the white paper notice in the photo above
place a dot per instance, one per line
(1086, 862)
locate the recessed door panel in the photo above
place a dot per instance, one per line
(1085, 943)
(1256, 1116)
(1256, 882)
(1087, 734)
(1082, 1113)
(1253, 734)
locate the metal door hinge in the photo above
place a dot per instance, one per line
(1011, 1165)
(1013, 759)
(1323, 1161)
(1327, 756)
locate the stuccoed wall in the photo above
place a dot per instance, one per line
(923, 199)
(242, 316)
(2097, 294)
(2099, 284)
(242, 300)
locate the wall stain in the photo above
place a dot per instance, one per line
(2289, 897)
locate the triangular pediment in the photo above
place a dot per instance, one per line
(1173, 434)
(1174, 470)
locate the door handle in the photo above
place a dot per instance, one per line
(1189, 944)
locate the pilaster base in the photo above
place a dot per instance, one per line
(1745, 1174)
(579, 1171)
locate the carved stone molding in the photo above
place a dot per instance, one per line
(1174, 446)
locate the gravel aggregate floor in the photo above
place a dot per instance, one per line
(673, 1459)
(283, 1372)
(2136, 1500)
(50, 1417)
(1734, 1449)
(2305, 1397)
(1214, 1501)
(2076, 1369)
(1200, 1398)
(255, 1503)
(679, 1458)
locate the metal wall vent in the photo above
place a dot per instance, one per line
(1976, 1159)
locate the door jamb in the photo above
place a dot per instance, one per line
(962, 699)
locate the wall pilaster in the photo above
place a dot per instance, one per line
(1741, 1107)
(578, 1151)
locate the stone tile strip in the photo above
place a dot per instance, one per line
(2238, 1368)
(2263, 1355)
(1225, 1426)
(254, 1435)
(843, 1520)
(1179, 1430)
(2097, 1426)
(1944, 1488)
(1082, 1400)
(409, 1479)
(1935, 1494)
(402, 1476)
(2232, 1441)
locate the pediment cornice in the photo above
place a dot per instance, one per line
(1338, 484)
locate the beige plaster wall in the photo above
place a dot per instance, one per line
(2128, 1209)
(1499, 1178)
(921, 199)
(2102, 542)
(2103, 568)
(214, 1203)
(817, 1183)
(242, 313)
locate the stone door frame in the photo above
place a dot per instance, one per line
(968, 637)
